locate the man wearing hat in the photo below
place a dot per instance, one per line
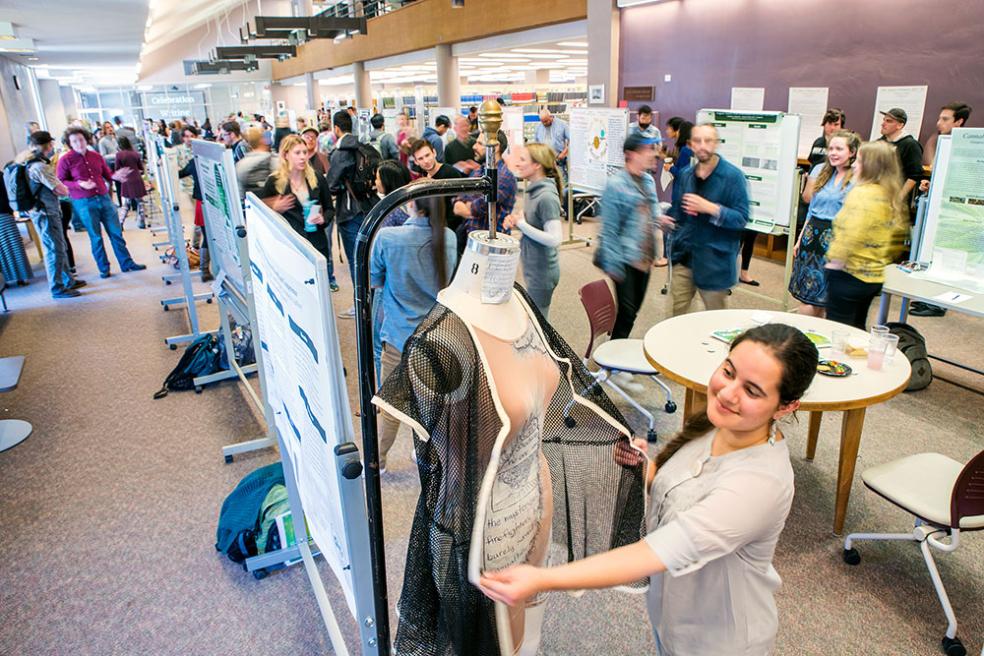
(906, 147)
(46, 214)
(707, 217)
(629, 210)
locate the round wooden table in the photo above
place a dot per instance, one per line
(683, 350)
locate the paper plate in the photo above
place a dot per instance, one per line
(833, 368)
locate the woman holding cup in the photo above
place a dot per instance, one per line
(300, 194)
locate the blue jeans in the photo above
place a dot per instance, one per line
(331, 263)
(349, 231)
(98, 212)
(55, 252)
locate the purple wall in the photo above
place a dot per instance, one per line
(851, 46)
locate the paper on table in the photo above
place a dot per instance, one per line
(811, 104)
(749, 99)
(952, 297)
(911, 99)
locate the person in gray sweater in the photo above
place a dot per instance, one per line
(539, 221)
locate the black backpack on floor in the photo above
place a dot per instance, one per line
(201, 358)
(913, 346)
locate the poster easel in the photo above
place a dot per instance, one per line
(306, 401)
(225, 232)
(166, 173)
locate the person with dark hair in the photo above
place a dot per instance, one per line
(84, 172)
(207, 130)
(709, 212)
(390, 176)
(409, 265)
(680, 155)
(128, 171)
(833, 120)
(435, 135)
(473, 211)
(318, 161)
(719, 496)
(350, 210)
(473, 120)
(644, 125)
(382, 140)
(908, 150)
(200, 239)
(46, 214)
(231, 135)
(426, 162)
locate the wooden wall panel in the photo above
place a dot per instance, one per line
(427, 23)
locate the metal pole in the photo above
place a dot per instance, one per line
(367, 373)
(489, 122)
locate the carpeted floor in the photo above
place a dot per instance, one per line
(109, 509)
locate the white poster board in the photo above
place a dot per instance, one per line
(513, 125)
(434, 112)
(305, 383)
(911, 99)
(596, 142)
(811, 104)
(763, 145)
(390, 122)
(748, 99)
(953, 229)
(221, 207)
(362, 127)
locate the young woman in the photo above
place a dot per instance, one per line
(409, 265)
(678, 130)
(390, 176)
(719, 496)
(539, 221)
(825, 191)
(129, 169)
(300, 194)
(869, 234)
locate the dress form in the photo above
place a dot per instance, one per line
(520, 502)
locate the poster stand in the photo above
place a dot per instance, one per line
(322, 468)
(225, 232)
(166, 175)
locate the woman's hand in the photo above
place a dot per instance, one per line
(631, 454)
(462, 209)
(512, 585)
(282, 203)
(513, 220)
(316, 219)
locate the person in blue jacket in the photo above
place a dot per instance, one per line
(708, 215)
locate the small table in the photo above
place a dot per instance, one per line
(12, 431)
(682, 349)
(902, 284)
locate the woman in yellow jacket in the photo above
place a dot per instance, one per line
(869, 234)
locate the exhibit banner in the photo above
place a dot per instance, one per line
(305, 382)
(953, 229)
(596, 138)
(221, 207)
(811, 104)
(763, 145)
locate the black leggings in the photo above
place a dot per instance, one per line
(629, 292)
(747, 248)
(848, 298)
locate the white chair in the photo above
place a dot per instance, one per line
(945, 497)
(617, 355)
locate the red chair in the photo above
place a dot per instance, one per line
(617, 355)
(945, 498)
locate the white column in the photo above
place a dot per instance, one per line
(363, 88)
(311, 87)
(448, 80)
(603, 34)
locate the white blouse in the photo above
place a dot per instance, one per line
(714, 521)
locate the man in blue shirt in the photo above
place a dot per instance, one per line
(708, 215)
(555, 133)
(644, 127)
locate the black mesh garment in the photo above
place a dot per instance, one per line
(441, 389)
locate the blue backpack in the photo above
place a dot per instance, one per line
(244, 513)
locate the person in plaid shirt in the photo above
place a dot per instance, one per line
(474, 210)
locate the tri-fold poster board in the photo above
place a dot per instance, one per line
(763, 145)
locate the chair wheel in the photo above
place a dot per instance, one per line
(852, 557)
(663, 291)
(209, 301)
(228, 460)
(167, 282)
(173, 347)
(953, 647)
(670, 407)
(651, 436)
(167, 308)
(198, 389)
(260, 574)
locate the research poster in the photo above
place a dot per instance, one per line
(305, 384)
(596, 142)
(221, 207)
(953, 237)
(513, 125)
(911, 99)
(763, 145)
(811, 104)
(748, 99)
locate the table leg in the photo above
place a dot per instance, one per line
(884, 305)
(813, 434)
(851, 427)
(693, 402)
